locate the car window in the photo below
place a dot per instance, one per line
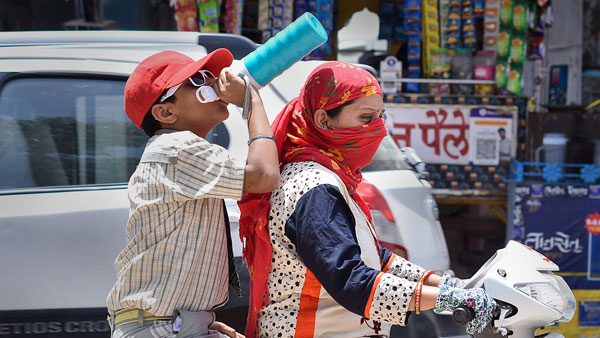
(387, 157)
(219, 135)
(66, 131)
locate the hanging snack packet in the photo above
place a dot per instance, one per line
(444, 11)
(506, 12)
(233, 16)
(491, 24)
(263, 15)
(517, 50)
(503, 44)
(209, 16)
(520, 18)
(514, 81)
(186, 15)
(501, 68)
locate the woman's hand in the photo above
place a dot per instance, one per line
(477, 299)
(452, 282)
(226, 330)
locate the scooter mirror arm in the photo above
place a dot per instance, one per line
(504, 312)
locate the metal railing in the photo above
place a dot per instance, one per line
(542, 172)
(449, 81)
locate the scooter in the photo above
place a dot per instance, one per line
(528, 293)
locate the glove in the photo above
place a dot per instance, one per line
(452, 282)
(483, 305)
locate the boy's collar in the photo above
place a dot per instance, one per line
(165, 131)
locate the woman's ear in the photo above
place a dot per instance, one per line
(162, 114)
(321, 119)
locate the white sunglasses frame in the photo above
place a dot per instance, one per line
(205, 74)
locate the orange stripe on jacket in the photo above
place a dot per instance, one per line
(375, 283)
(389, 263)
(309, 302)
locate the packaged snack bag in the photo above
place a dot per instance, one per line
(414, 52)
(461, 67)
(233, 16)
(506, 12)
(503, 44)
(478, 7)
(491, 24)
(520, 18)
(440, 69)
(517, 50)
(263, 15)
(323, 11)
(186, 15)
(514, 82)
(452, 28)
(483, 65)
(483, 69)
(431, 32)
(209, 16)
(501, 74)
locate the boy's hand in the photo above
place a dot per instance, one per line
(226, 330)
(230, 87)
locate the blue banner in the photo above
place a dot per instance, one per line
(563, 223)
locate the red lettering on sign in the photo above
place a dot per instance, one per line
(592, 223)
(451, 142)
(404, 136)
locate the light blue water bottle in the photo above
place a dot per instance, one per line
(284, 49)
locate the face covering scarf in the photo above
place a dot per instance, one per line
(343, 151)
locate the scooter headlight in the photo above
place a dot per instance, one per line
(555, 294)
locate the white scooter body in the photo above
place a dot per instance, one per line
(530, 295)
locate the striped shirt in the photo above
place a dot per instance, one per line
(176, 253)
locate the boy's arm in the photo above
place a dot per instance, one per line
(262, 167)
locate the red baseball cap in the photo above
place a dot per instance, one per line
(162, 71)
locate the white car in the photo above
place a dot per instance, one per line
(66, 155)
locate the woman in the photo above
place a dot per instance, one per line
(316, 266)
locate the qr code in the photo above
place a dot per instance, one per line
(486, 149)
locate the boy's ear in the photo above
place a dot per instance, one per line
(162, 114)
(321, 119)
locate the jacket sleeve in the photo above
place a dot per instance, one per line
(322, 228)
(400, 267)
(385, 255)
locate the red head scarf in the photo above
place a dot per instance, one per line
(298, 138)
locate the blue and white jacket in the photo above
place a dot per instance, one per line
(329, 277)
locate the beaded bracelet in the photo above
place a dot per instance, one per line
(419, 289)
(426, 275)
(418, 298)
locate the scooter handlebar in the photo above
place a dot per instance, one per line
(463, 315)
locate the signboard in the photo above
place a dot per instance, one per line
(562, 222)
(454, 134)
(390, 68)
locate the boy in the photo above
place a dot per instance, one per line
(173, 271)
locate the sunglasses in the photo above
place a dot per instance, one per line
(199, 79)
